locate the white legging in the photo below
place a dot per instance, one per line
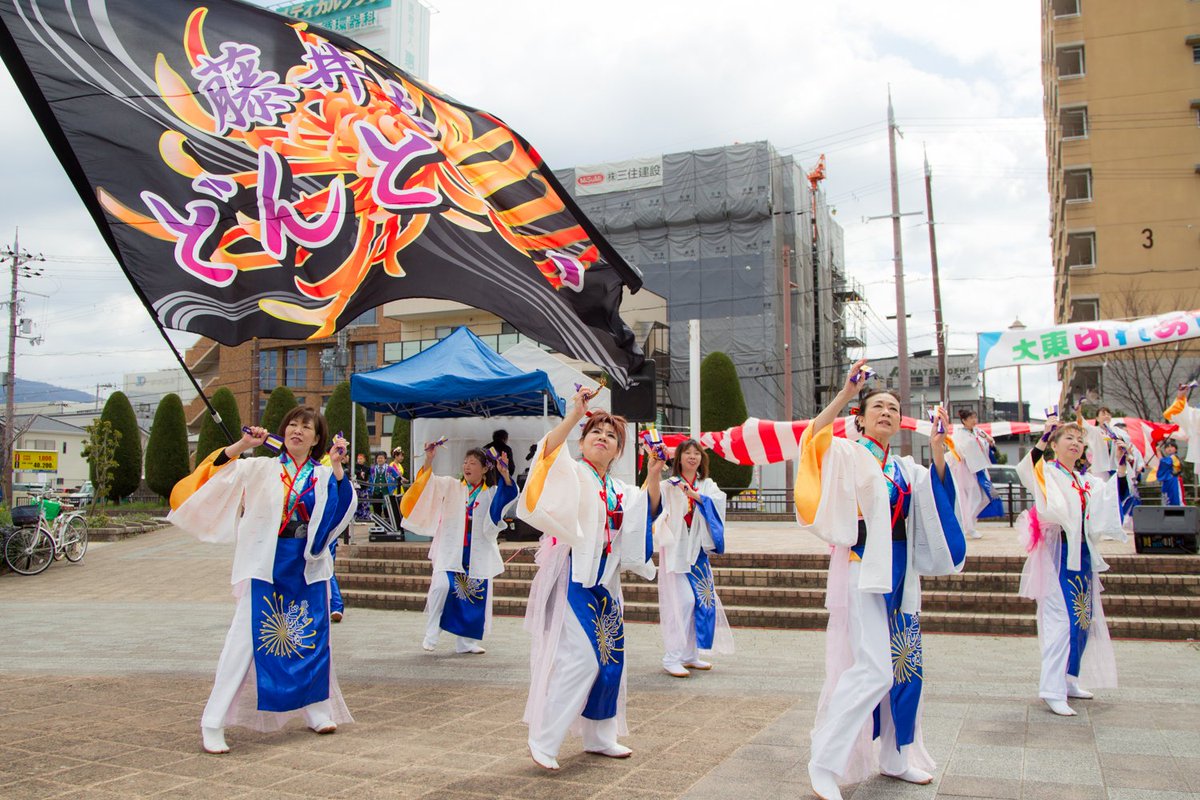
(679, 637)
(860, 689)
(237, 657)
(1054, 638)
(575, 670)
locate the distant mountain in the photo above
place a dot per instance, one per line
(38, 392)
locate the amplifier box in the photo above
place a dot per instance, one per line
(1166, 529)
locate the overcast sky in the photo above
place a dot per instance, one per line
(633, 79)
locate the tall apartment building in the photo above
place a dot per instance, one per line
(1122, 110)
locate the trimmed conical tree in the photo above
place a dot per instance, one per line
(211, 436)
(279, 404)
(337, 415)
(167, 448)
(723, 406)
(127, 473)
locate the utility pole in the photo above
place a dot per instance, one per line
(18, 260)
(785, 293)
(898, 259)
(938, 326)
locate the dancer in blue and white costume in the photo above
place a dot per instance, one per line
(692, 525)
(593, 527)
(281, 513)
(973, 446)
(464, 518)
(1062, 570)
(889, 520)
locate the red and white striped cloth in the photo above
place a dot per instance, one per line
(764, 441)
(1143, 434)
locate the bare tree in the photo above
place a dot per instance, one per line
(1142, 382)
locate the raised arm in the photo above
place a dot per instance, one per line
(559, 434)
(834, 409)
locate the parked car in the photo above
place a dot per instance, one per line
(1005, 485)
(81, 496)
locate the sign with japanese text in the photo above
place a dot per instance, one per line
(1012, 348)
(635, 173)
(256, 176)
(321, 12)
(342, 16)
(35, 460)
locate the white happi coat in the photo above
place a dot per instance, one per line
(1188, 421)
(680, 544)
(440, 512)
(241, 504)
(565, 505)
(1102, 448)
(972, 447)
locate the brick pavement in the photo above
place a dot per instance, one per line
(106, 665)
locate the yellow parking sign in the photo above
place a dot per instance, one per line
(35, 460)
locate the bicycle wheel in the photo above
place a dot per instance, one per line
(28, 551)
(75, 538)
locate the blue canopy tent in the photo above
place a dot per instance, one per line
(459, 376)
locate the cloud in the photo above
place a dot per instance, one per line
(587, 83)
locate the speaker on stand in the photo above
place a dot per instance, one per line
(638, 402)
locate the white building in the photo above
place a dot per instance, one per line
(42, 433)
(398, 30)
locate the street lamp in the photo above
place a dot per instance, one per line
(1019, 326)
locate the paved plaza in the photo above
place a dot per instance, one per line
(105, 666)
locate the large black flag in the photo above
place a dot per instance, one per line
(256, 176)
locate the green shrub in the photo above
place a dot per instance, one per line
(211, 436)
(723, 406)
(167, 447)
(127, 473)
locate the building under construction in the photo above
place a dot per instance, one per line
(723, 234)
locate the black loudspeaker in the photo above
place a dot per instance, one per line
(637, 402)
(1166, 529)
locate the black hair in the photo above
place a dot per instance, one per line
(489, 472)
(861, 406)
(500, 435)
(963, 413)
(316, 419)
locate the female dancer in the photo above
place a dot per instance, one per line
(464, 517)
(593, 526)
(282, 513)
(1062, 535)
(692, 526)
(889, 520)
(974, 447)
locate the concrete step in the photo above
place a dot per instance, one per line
(1158, 566)
(932, 620)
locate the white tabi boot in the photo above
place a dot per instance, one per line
(213, 740)
(824, 783)
(1060, 707)
(1077, 691)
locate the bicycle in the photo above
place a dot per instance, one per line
(36, 542)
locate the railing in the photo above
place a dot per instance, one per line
(762, 501)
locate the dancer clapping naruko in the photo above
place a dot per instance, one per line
(692, 525)
(1062, 535)
(889, 520)
(282, 513)
(464, 517)
(593, 526)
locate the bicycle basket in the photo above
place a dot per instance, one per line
(51, 507)
(25, 515)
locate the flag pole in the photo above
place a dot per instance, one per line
(212, 411)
